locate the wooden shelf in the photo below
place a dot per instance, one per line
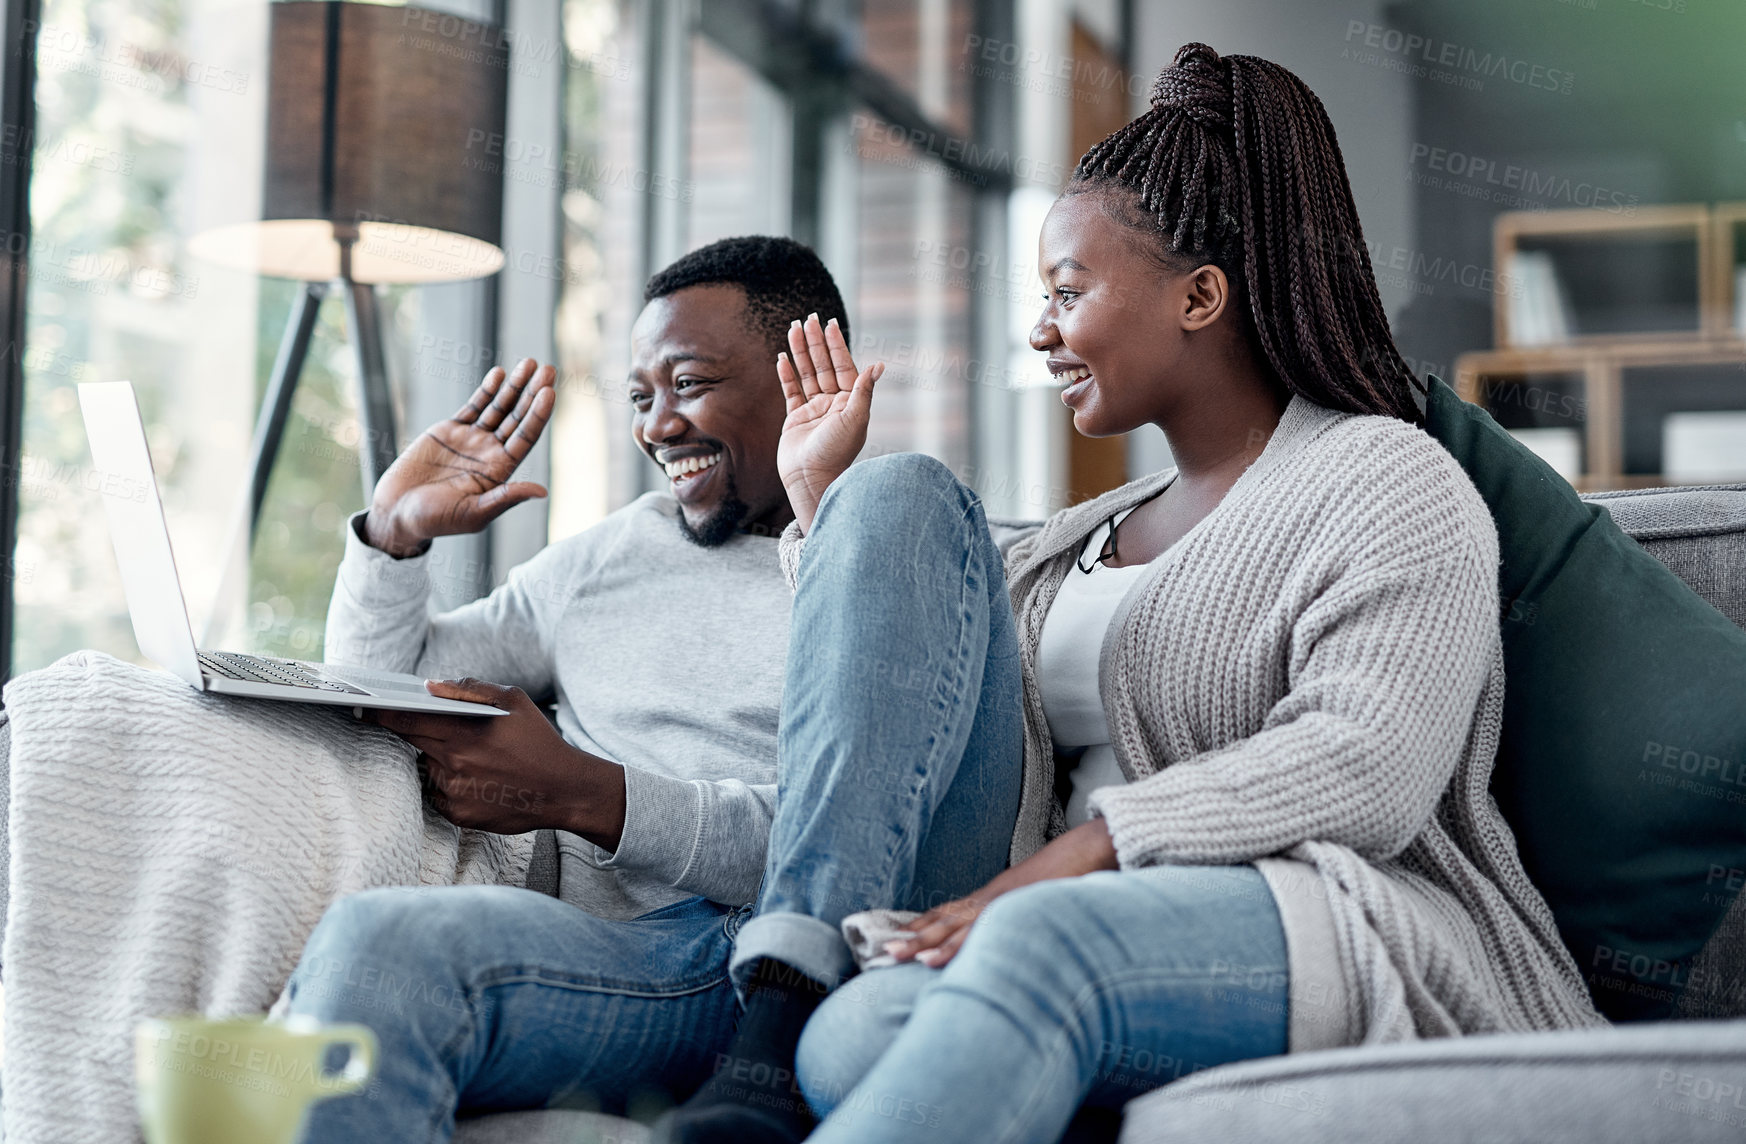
(1715, 282)
(1598, 362)
(1639, 352)
(1599, 370)
(1725, 219)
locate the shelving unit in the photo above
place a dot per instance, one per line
(1727, 223)
(1599, 361)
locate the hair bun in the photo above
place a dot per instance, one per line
(1198, 84)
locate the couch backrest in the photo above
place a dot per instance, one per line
(1700, 535)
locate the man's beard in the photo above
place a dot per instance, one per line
(722, 523)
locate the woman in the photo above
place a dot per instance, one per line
(1274, 671)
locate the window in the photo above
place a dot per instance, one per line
(856, 128)
(912, 283)
(589, 408)
(148, 121)
(739, 150)
(747, 118)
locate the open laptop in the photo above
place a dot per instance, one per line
(154, 591)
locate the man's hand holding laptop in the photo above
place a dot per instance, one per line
(510, 775)
(513, 774)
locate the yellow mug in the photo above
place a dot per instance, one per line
(242, 1081)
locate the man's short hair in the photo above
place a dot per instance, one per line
(783, 280)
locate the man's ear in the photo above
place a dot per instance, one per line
(1205, 296)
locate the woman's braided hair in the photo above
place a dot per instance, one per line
(1235, 163)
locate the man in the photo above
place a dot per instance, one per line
(662, 634)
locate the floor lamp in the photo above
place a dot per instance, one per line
(385, 130)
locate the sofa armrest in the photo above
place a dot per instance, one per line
(1674, 1081)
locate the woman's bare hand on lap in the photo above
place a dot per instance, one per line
(940, 932)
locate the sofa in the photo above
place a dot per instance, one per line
(1674, 1081)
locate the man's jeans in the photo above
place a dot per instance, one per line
(900, 763)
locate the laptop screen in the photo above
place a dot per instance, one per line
(136, 526)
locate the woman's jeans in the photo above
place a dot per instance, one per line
(900, 757)
(1091, 989)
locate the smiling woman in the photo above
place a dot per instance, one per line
(1272, 211)
(1183, 291)
(1279, 728)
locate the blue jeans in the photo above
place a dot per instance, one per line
(1092, 989)
(900, 758)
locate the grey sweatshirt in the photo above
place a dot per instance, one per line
(662, 656)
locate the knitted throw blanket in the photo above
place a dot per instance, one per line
(170, 853)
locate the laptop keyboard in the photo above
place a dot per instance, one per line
(255, 669)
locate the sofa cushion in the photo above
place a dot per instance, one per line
(1681, 1081)
(543, 866)
(1622, 761)
(1717, 986)
(550, 1126)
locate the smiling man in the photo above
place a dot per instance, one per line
(661, 634)
(716, 440)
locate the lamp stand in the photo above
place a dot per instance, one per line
(377, 446)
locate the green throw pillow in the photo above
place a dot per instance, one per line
(1622, 765)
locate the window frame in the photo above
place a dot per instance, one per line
(18, 112)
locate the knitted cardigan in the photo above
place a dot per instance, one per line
(1315, 672)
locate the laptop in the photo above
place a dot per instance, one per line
(154, 591)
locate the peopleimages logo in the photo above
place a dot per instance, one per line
(1429, 58)
(1510, 184)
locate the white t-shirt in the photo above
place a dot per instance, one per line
(1067, 660)
(1067, 655)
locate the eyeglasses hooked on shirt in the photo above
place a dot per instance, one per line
(1102, 541)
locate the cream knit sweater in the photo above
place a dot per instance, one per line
(1315, 672)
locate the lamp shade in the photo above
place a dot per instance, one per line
(384, 148)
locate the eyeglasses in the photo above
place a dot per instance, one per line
(1104, 539)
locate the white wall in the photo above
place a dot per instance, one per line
(1371, 108)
